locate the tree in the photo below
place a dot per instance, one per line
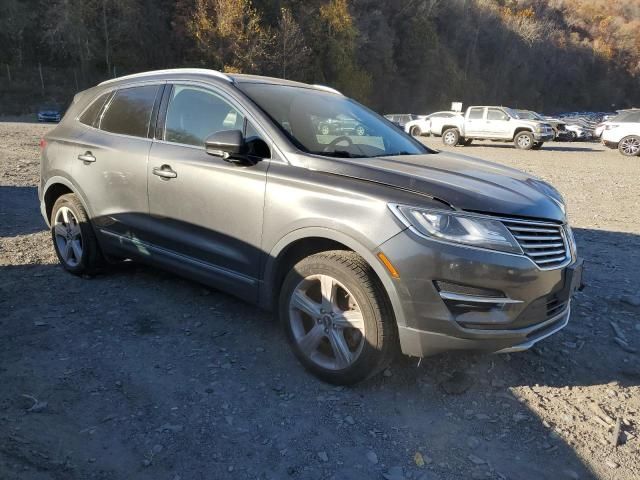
(290, 54)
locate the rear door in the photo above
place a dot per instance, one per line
(475, 123)
(110, 167)
(208, 213)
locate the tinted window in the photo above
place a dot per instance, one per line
(129, 112)
(476, 113)
(195, 113)
(496, 114)
(90, 115)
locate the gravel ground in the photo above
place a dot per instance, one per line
(139, 374)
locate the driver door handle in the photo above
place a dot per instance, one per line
(87, 157)
(164, 172)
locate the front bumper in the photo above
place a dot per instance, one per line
(543, 136)
(530, 303)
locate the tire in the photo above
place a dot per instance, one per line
(324, 130)
(524, 141)
(451, 137)
(537, 145)
(415, 131)
(467, 142)
(73, 237)
(310, 330)
(630, 146)
(360, 131)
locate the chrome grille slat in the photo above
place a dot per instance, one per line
(544, 243)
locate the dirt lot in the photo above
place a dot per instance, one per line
(139, 374)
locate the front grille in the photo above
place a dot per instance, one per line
(544, 243)
(555, 306)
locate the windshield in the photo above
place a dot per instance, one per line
(328, 124)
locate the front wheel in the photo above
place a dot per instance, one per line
(524, 141)
(73, 237)
(337, 317)
(451, 137)
(360, 130)
(416, 132)
(630, 146)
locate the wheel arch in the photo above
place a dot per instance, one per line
(54, 189)
(520, 130)
(307, 241)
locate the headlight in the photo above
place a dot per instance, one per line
(538, 128)
(466, 229)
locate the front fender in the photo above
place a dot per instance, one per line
(358, 246)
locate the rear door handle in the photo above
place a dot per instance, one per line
(164, 172)
(87, 157)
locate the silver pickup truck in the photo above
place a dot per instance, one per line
(496, 123)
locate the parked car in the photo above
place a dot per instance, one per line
(623, 133)
(362, 244)
(340, 126)
(559, 127)
(620, 117)
(578, 132)
(401, 119)
(49, 113)
(430, 124)
(496, 123)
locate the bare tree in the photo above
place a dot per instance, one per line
(290, 53)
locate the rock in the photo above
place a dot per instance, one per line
(372, 457)
(457, 383)
(611, 464)
(146, 462)
(157, 448)
(323, 456)
(473, 442)
(349, 419)
(394, 473)
(168, 427)
(418, 459)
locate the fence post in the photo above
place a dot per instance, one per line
(41, 77)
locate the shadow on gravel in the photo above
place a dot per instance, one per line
(138, 373)
(19, 211)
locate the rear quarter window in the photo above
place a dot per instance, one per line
(90, 115)
(129, 111)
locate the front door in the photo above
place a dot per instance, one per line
(207, 212)
(498, 123)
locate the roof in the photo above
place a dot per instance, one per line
(231, 78)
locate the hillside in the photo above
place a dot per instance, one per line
(405, 55)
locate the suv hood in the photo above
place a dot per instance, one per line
(463, 182)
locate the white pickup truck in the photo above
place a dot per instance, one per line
(496, 123)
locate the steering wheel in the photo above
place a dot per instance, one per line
(336, 141)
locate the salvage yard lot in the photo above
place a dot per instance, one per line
(139, 374)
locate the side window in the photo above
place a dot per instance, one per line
(632, 117)
(129, 112)
(496, 114)
(90, 115)
(476, 113)
(256, 146)
(194, 113)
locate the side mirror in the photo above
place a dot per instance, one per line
(227, 144)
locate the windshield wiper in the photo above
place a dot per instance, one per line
(396, 154)
(338, 154)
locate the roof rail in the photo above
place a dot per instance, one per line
(327, 89)
(202, 71)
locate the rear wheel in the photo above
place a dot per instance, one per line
(73, 237)
(337, 317)
(324, 130)
(524, 141)
(360, 131)
(630, 146)
(451, 137)
(415, 131)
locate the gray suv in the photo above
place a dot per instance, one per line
(362, 244)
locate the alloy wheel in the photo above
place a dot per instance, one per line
(68, 236)
(449, 138)
(524, 141)
(327, 323)
(630, 146)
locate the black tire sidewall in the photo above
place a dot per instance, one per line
(521, 134)
(444, 136)
(368, 360)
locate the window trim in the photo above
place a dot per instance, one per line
(108, 94)
(497, 109)
(483, 110)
